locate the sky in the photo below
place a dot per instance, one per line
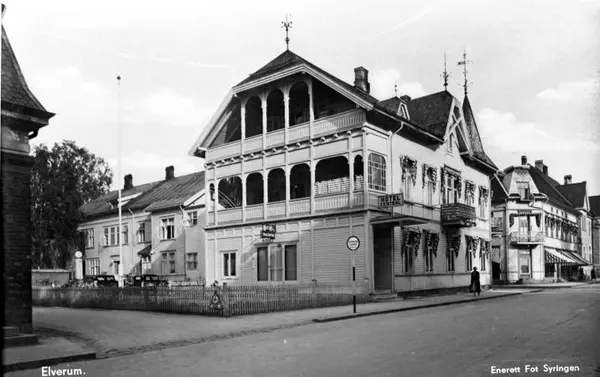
(534, 80)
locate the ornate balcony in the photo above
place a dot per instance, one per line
(527, 238)
(458, 215)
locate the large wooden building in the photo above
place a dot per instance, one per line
(297, 161)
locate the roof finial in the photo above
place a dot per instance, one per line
(287, 25)
(445, 75)
(464, 63)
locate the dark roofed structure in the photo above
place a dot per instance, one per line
(575, 192)
(473, 130)
(431, 112)
(595, 205)
(106, 204)
(545, 185)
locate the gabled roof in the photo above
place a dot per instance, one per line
(499, 192)
(575, 192)
(473, 130)
(432, 112)
(14, 87)
(154, 196)
(595, 205)
(169, 193)
(545, 185)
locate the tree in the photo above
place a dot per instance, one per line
(62, 180)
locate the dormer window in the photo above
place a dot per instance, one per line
(404, 111)
(523, 189)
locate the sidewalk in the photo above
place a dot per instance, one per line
(120, 332)
(49, 351)
(545, 285)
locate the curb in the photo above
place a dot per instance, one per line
(33, 364)
(387, 311)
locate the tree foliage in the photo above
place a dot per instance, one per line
(62, 180)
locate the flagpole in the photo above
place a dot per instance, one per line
(119, 168)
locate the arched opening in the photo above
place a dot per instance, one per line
(299, 104)
(231, 130)
(332, 175)
(254, 189)
(230, 192)
(359, 175)
(275, 111)
(253, 117)
(300, 182)
(327, 101)
(377, 172)
(276, 185)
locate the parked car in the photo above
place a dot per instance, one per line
(106, 281)
(146, 280)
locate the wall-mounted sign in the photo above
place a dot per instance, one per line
(391, 200)
(268, 231)
(78, 254)
(353, 243)
(215, 301)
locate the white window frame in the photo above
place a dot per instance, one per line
(146, 264)
(168, 259)
(408, 258)
(192, 261)
(451, 261)
(408, 190)
(165, 223)
(226, 256)
(482, 207)
(451, 189)
(172, 263)
(429, 259)
(271, 270)
(89, 238)
(380, 167)
(111, 236)
(450, 145)
(524, 191)
(429, 189)
(469, 258)
(116, 265)
(192, 217)
(93, 266)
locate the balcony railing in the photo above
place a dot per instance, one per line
(458, 215)
(527, 238)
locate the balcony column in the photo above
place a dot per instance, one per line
(265, 190)
(312, 164)
(286, 105)
(243, 122)
(263, 105)
(263, 101)
(287, 190)
(311, 110)
(366, 169)
(244, 177)
(313, 167)
(351, 170)
(216, 201)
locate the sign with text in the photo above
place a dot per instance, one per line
(391, 200)
(353, 243)
(268, 231)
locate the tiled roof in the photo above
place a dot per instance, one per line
(546, 185)
(474, 137)
(102, 205)
(169, 193)
(392, 103)
(14, 87)
(575, 192)
(595, 205)
(432, 112)
(498, 190)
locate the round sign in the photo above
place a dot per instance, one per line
(215, 299)
(353, 243)
(78, 254)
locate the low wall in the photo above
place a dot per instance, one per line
(41, 278)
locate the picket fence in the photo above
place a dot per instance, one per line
(232, 300)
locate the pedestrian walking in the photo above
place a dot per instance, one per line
(475, 283)
(593, 273)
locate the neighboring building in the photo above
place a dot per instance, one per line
(162, 229)
(595, 210)
(22, 117)
(540, 229)
(297, 161)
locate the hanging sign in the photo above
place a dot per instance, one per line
(268, 231)
(391, 200)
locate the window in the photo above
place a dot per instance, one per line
(451, 190)
(428, 258)
(163, 264)
(377, 172)
(115, 264)
(141, 233)
(583, 223)
(524, 225)
(429, 189)
(167, 228)
(482, 207)
(171, 263)
(408, 183)
(192, 218)
(125, 235)
(469, 256)
(146, 264)
(450, 260)
(93, 266)
(408, 254)
(89, 238)
(482, 260)
(229, 264)
(192, 261)
(277, 263)
(110, 235)
(523, 189)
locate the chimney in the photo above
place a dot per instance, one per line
(169, 172)
(405, 98)
(3, 10)
(568, 179)
(361, 79)
(128, 182)
(545, 170)
(539, 165)
(523, 160)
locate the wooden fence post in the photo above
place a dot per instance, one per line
(225, 300)
(314, 293)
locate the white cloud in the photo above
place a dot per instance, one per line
(570, 91)
(382, 85)
(408, 21)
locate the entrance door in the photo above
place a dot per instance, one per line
(524, 265)
(495, 271)
(383, 257)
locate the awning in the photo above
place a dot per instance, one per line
(576, 257)
(145, 252)
(400, 220)
(558, 257)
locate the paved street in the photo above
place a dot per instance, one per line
(558, 327)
